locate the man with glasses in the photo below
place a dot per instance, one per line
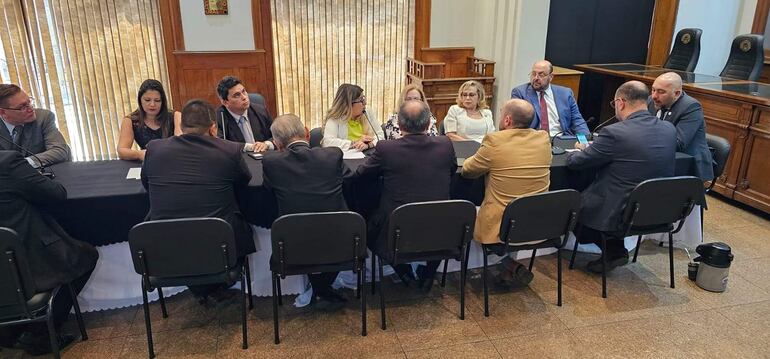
(29, 130)
(555, 108)
(637, 148)
(239, 120)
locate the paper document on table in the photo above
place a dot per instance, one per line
(352, 155)
(134, 173)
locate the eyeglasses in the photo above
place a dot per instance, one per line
(540, 75)
(239, 95)
(413, 99)
(360, 100)
(29, 106)
(612, 103)
(468, 94)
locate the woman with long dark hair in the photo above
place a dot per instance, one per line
(151, 120)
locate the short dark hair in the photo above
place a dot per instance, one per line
(225, 84)
(413, 121)
(197, 116)
(633, 92)
(7, 91)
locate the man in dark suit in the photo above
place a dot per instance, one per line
(305, 180)
(415, 168)
(197, 175)
(55, 258)
(239, 120)
(555, 108)
(638, 148)
(669, 103)
(32, 129)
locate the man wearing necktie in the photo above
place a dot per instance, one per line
(239, 120)
(555, 108)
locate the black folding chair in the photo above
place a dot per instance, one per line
(20, 302)
(720, 151)
(427, 231)
(185, 252)
(316, 135)
(654, 206)
(542, 220)
(308, 243)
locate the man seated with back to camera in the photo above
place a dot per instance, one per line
(304, 180)
(517, 160)
(197, 174)
(638, 148)
(244, 122)
(415, 168)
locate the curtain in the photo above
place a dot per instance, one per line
(320, 44)
(84, 60)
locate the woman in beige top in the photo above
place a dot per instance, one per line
(470, 118)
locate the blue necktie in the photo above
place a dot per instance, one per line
(247, 135)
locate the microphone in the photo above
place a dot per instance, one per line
(224, 131)
(596, 129)
(556, 150)
(370, 124)
(28, 153)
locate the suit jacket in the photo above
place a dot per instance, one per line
(55, 258)
(306, 179)
(687, 116)
(571, 120)
(415, 168)
(626, 153)
(259, 119)
(197, 176)
(40, 137)
(518, 163)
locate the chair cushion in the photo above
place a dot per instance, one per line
(306, 269)
(230, 276)
(35, 304)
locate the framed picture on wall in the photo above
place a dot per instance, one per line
(215, 7)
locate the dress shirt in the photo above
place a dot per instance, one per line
(249, 146)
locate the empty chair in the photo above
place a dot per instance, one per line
(316, 135)
(427, 231)
(184, 252)
(720, 151)
(655, 206)
(686, 51)
(746, 58)
(20, 301)
(305, 243)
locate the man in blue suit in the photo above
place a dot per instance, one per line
(555, 108)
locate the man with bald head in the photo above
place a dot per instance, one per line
(414, 168)
(517, 160)
(669, 103)
(555, 108)
(637, 148)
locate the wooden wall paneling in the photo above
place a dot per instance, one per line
(753, 188)
(662, 31)
(760, 17)
(422, 10)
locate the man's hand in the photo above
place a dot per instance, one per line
(260, 146)
(359, 145)
(581, 146)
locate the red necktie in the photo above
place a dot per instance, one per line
(543, 113)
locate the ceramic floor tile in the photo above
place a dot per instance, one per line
(424, 324)
(756, 271)
(94, 348)
(557, 344)
(482, 349)
(199, 342)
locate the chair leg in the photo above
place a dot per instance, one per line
(244, 309)
(574, 253)
(638, 243)
(383, 325)
(78, 314)
(604, 266)
(359, 283)
(148, 326)
(443, 276)
(558, 276)
(671, 257)
(362, 293)
(374, 272)
(701, 220)
(463, 265)
(532, 260)
(248, 283)
(162, 303)
(52, 335)
(275, 311)
(484, 279)
(278, 286)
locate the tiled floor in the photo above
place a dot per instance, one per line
(642, 317)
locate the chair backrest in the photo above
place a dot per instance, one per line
(540, 216)
(435, 226)
(316, 135)
(662, 201)
(721, 152)
(182, 247)
(257, 99)
(16, 283)
(746, 58)
(441, 130)
(319, 238)
(686, 51)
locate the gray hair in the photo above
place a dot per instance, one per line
(287, 128)
(414, 116)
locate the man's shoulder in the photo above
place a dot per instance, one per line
(521, 89)
(687, 101)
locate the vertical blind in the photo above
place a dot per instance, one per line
(84, 60)
(320, 44)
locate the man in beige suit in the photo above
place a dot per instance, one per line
(517, 160)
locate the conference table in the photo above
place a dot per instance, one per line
(103, 205)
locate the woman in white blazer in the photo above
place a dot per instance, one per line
(347, 124)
